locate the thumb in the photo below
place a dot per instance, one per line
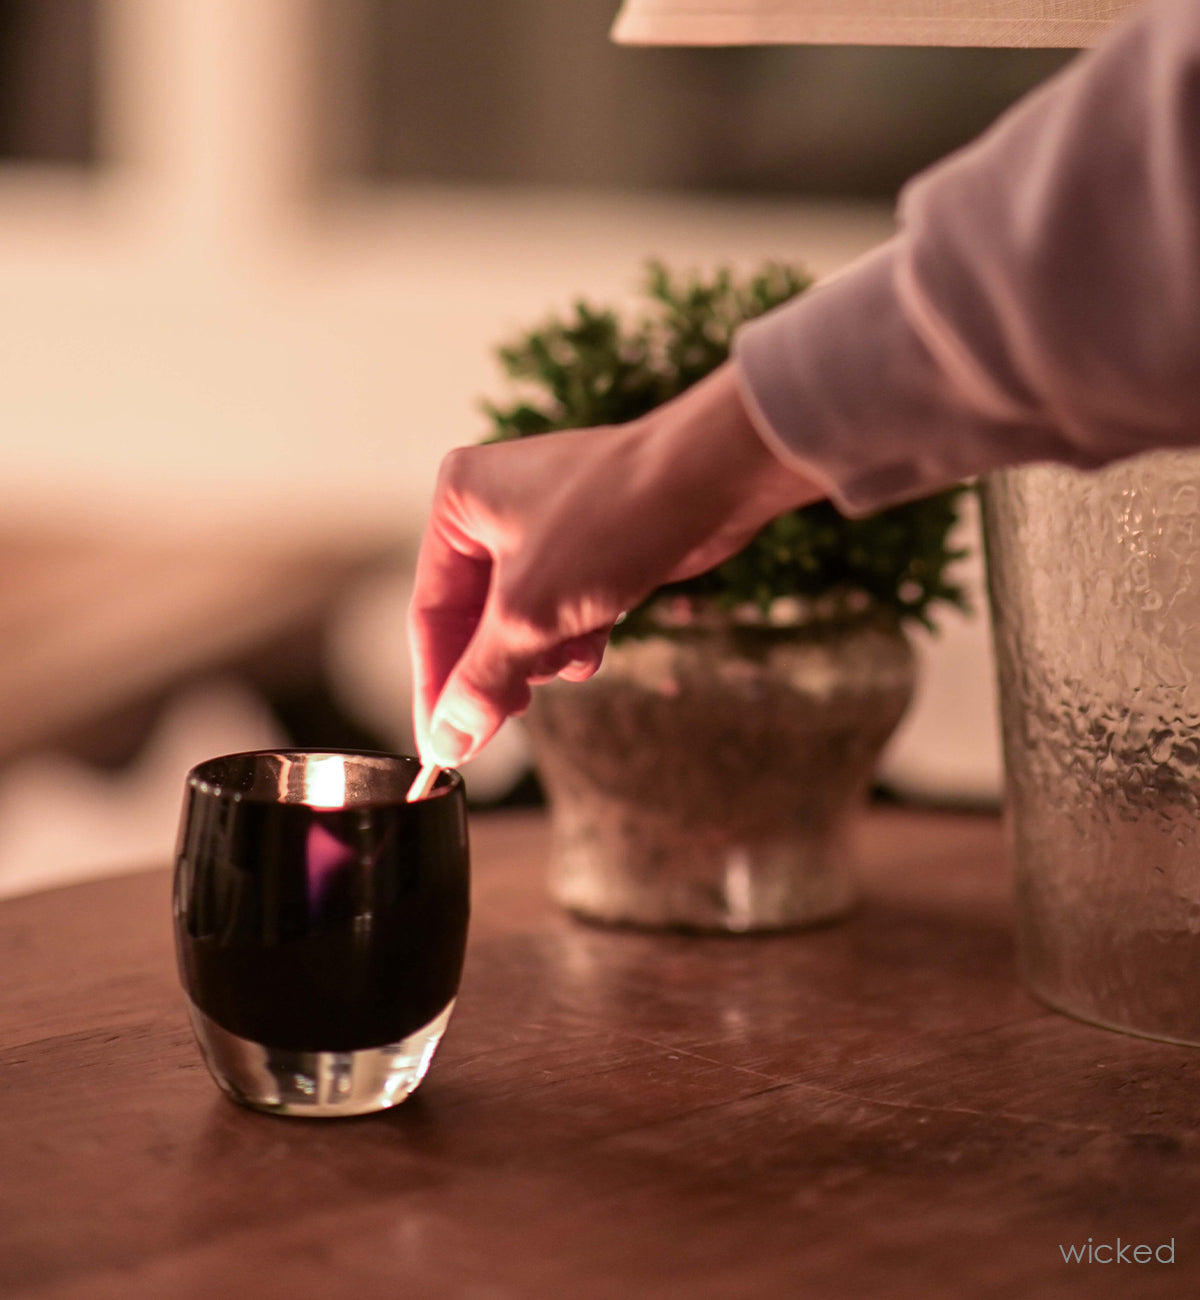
(487, 685)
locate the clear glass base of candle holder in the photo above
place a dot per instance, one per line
(317, 1085)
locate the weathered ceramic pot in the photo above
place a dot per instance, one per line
(708, 776)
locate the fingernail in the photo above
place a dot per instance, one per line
(450, 746)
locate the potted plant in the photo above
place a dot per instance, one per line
(707, 777)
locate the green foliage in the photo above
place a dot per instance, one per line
(593, 368)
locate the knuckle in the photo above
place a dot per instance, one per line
(528, 615)
(454, 469)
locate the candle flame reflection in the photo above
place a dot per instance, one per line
(325, 781)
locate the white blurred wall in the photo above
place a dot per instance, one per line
(206, 329)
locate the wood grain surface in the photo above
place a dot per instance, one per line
(871, 1109)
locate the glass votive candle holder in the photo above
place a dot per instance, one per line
(320, 925)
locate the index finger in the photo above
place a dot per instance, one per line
(449, 595)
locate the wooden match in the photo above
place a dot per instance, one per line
(423, 782)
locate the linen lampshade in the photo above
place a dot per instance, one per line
(1064, 24)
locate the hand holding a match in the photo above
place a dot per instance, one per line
(534, 548)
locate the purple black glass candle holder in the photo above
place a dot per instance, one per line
(320, 924)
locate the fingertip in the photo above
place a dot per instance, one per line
(587, 654)
(448, 745)
(481, 692)
(579, 670)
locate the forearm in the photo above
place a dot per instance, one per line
(1041, 301)
(702, 454)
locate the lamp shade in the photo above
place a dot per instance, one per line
(1064, 24)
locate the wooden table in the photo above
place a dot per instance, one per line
(873, 1109)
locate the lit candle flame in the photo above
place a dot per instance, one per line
(325, 781)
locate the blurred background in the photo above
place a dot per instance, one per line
(255, 256)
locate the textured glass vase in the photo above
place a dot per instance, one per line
(1095, 590)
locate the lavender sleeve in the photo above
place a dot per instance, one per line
(1041, 300)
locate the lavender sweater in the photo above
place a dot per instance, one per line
(1040, 302)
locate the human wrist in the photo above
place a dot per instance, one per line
(712, 446)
